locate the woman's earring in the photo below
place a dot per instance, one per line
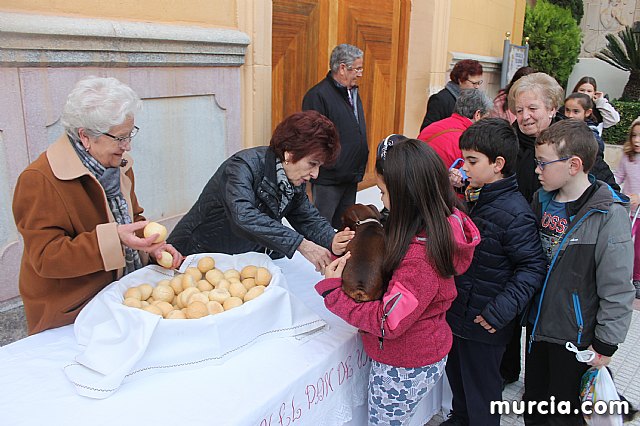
(86, 148)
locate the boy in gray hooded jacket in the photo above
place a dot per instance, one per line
(587, 297)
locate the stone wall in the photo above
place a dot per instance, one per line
(188, 77)
(604, 17)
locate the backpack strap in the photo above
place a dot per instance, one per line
(430, 138)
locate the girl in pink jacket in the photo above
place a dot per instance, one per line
(428, 241)
(628, 177)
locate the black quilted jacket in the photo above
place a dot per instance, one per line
(237, 212)
(508, 265)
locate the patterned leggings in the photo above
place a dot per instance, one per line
(394, 392)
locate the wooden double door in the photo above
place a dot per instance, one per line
(304, 33)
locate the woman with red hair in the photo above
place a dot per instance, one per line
(242, 206)
(466, 74)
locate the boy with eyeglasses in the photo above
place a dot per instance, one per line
(587, 295)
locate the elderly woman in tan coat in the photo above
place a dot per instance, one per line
(76, 208)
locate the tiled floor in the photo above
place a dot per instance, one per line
(625, 367)
(13, 325)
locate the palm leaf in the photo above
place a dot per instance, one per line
(622, 50)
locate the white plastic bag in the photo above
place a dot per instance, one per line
(598, 386)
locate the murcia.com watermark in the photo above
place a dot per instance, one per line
(560, 407)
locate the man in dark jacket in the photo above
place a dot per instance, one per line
(508, 267)
(336, 97)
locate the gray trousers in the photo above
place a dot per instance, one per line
(332, 200)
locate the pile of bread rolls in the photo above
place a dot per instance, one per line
(200, 291)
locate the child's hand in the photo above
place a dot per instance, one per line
(341, 239)
(597, 95)
(599, 360)
(455, 177)
(634, 199)
(335, 268)
(484, 324)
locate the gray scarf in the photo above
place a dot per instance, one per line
(284, 186)
(453, 88)
(109, 178)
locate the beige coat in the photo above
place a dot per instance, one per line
(71, 245)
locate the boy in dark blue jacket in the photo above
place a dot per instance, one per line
(508, 267)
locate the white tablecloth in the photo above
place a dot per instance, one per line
(316, 379)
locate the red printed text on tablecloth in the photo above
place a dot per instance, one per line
(293, 410)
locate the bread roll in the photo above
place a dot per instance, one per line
(214, 276)
(188, 281)
(223, 284)
(249, 283)
(232, 302)
(214, 307)
(133, 293)
(194, 272)
(199, 297)
(153, 309)
(219, 295)
(197, 310)
(183, 298)
(204, 285)
(166, 260)
(206, 264)
(237, 290)
(263, 276)
(132, 302)
(145, 291)
(176, 314)
(165, 307)
(163, 293)
(254, 292)
(248, 271)
(231, 273)
(176, 283)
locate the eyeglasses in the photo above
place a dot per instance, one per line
(543, 164)
(350, 68)
(476, 83)
(124, 139)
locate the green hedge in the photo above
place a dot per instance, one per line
(575, 6)
(554, 39)
(629, 111)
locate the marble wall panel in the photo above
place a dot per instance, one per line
(179, 147)
(190, 123)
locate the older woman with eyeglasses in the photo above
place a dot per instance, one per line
(534, 99)
(466, 74)
(76, 208)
